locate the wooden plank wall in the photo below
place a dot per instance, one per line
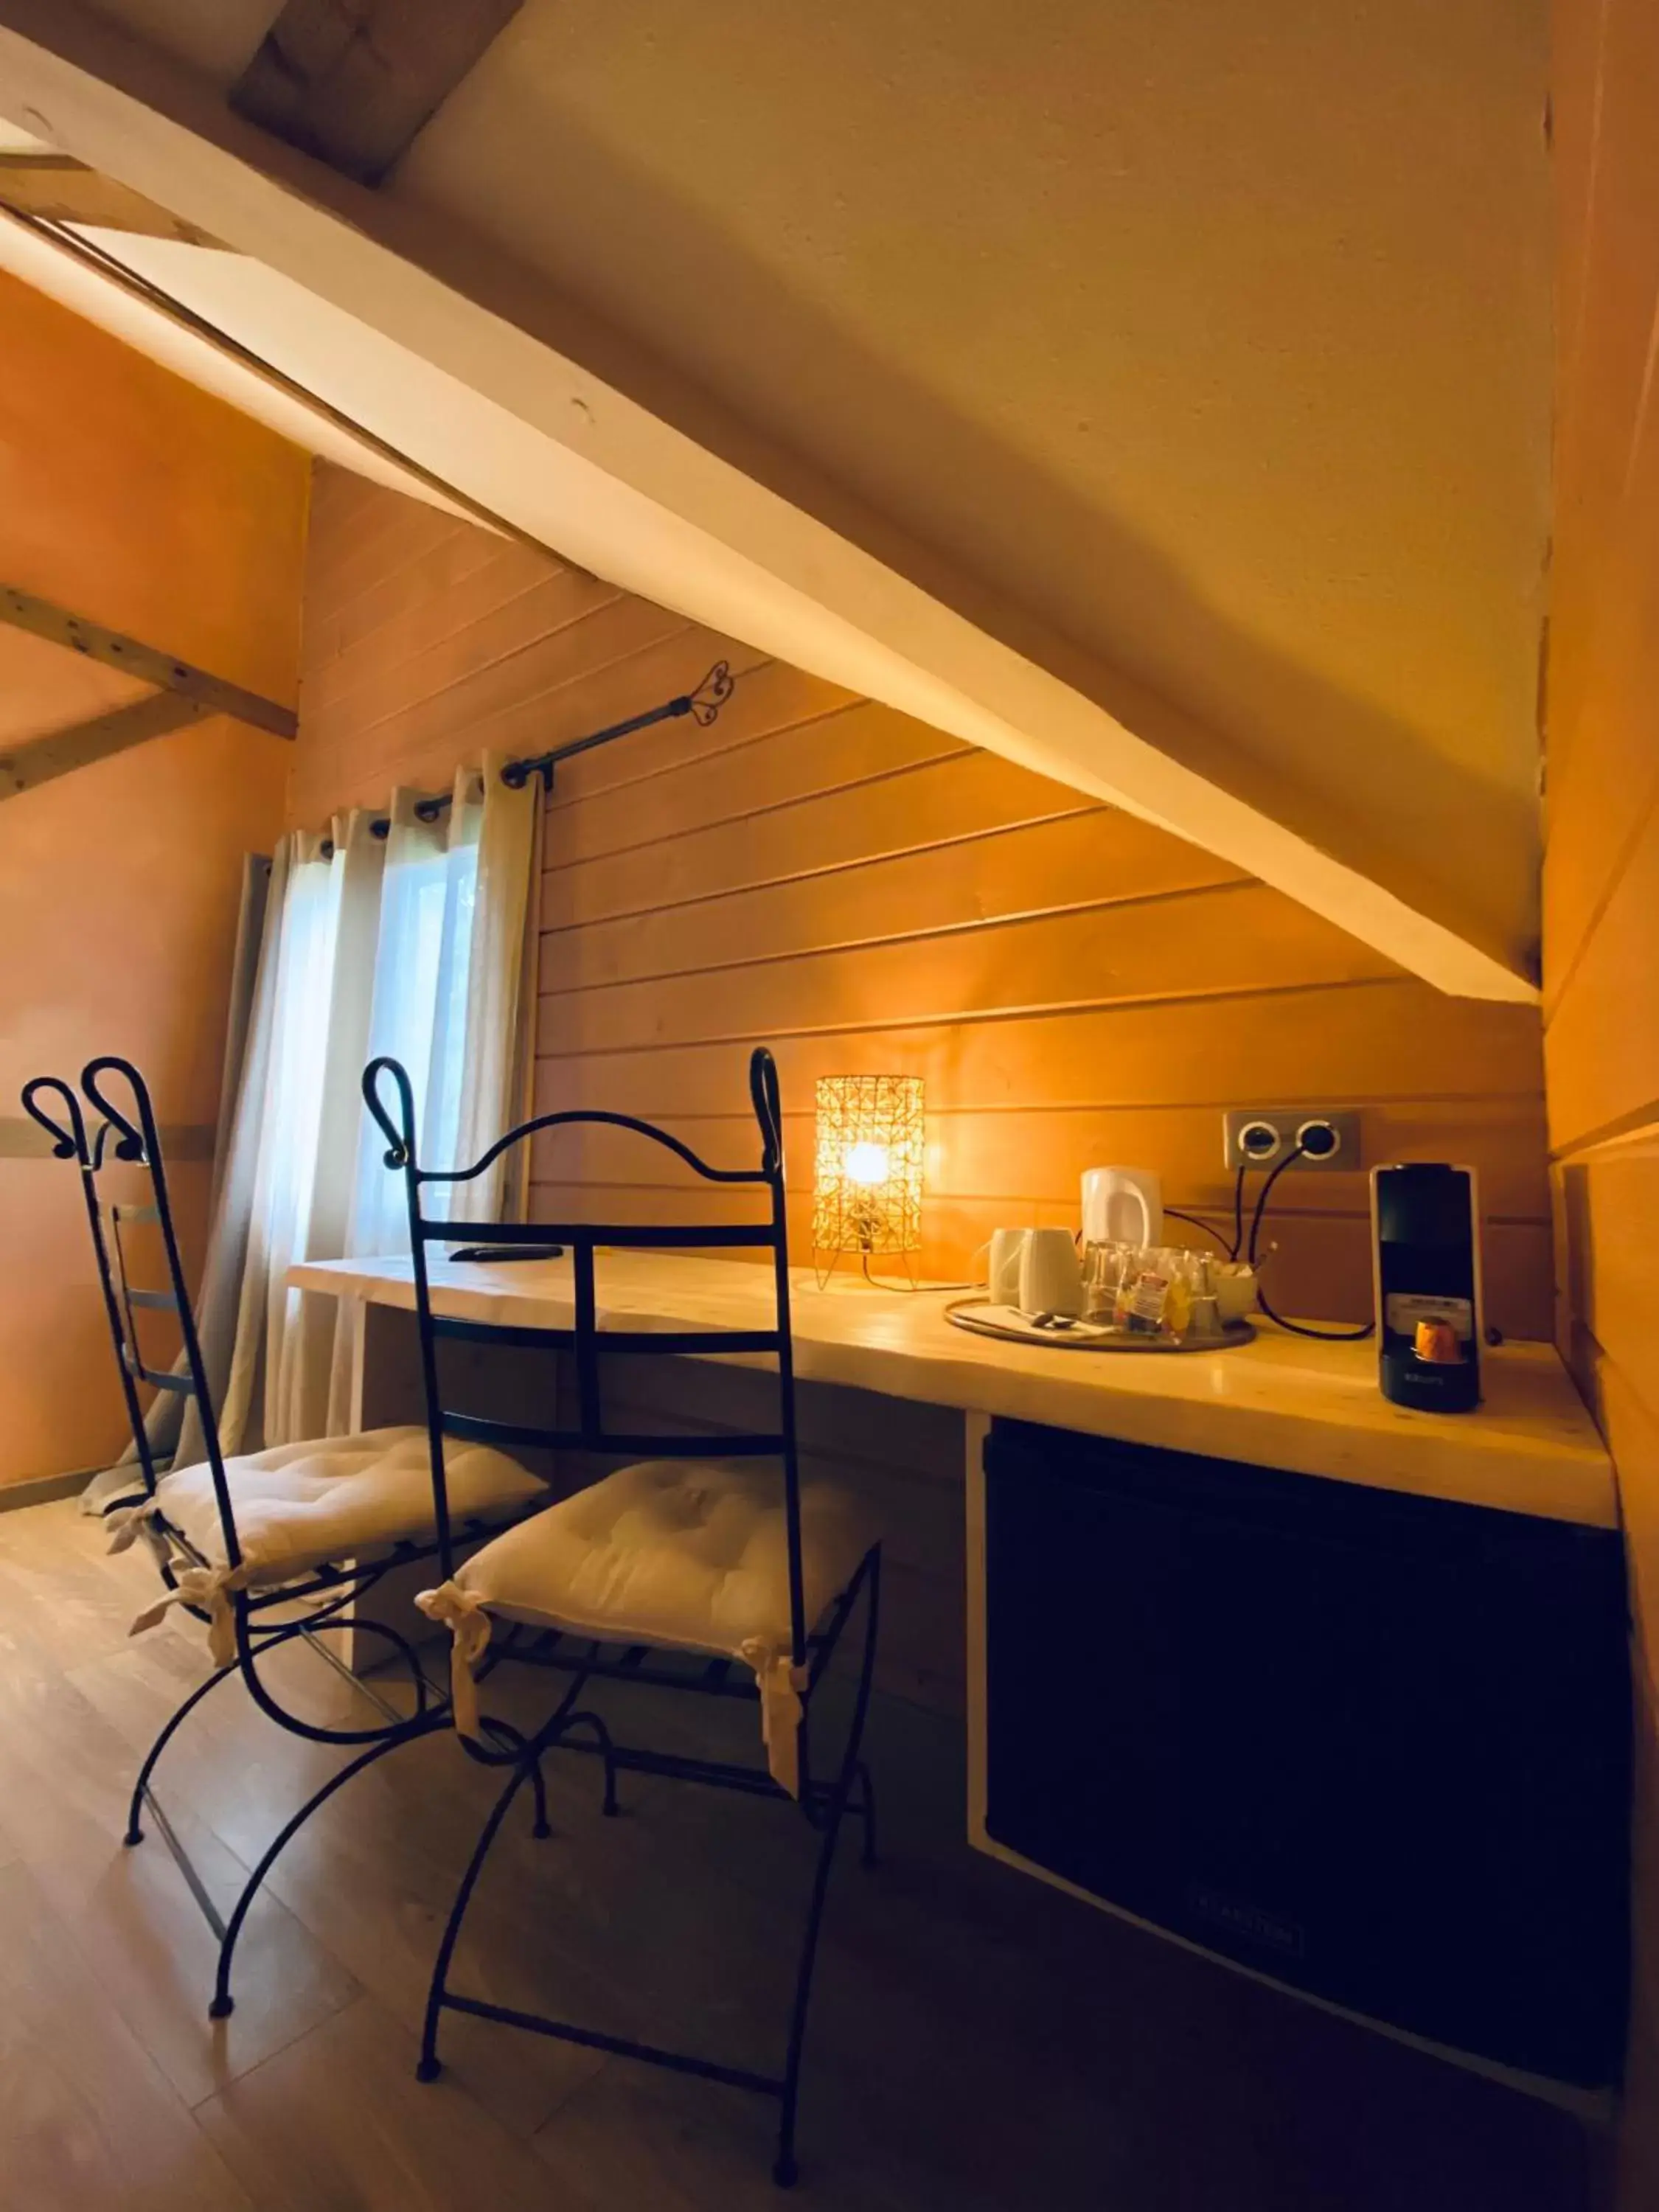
(863, 893)
(1601, 856)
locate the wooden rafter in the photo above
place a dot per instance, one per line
(209, 694)
(78, 745)
(353, 81)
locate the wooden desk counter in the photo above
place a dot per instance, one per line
(1283, 1401)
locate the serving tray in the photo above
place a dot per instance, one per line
(981, 1318)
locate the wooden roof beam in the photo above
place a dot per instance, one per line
(210, 694)
(353, 81)
(78, 745)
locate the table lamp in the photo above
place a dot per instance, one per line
(867, 1184)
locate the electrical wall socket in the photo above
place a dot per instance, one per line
(1263, 1136)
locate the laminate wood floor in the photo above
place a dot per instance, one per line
(978, 2042)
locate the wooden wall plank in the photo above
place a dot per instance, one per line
(1601, 1041)
(370, 624)
(482, 617)
(1029, 868)
(376, 545)
(862, 742)
(1180, 947)
(1327, 1045)
(941, 799)
(1610, 282)
(487, 697)
(1603, 743)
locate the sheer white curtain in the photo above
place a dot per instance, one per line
(411, 944)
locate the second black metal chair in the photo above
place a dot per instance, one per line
(694, 1549)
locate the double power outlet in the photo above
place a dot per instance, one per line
(1267, 1137)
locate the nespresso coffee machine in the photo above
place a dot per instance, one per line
(1425, 1228)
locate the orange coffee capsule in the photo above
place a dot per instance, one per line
(1436, 1340)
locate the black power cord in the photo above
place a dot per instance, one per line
(1193, 1221)
(1296, 1327)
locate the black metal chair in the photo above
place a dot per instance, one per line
(255, 1599)
(807, 1561)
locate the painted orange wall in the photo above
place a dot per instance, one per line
(1601, 854)
(864, 892)
(133, 498)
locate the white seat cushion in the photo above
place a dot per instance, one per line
(300, 1505)
(691, 1553)
(686, 1553)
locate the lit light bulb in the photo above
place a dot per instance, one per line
(867, 1164)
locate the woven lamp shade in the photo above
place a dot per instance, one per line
(867, 1187)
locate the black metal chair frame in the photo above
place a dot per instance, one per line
(330, 1593)
(824, 1800)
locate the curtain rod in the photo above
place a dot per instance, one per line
(703, 705)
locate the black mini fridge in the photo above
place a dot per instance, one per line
(1372, 1745)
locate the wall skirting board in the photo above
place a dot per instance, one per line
(42, 1489)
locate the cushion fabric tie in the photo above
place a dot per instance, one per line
(464, 1615)
(207, 1590)
(781, 1684)
(129, 1522)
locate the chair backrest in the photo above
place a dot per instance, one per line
(135, 1139)
(55, 1106)
(390, 1100)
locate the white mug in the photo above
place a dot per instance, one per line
(1050, 1272)
(1002, 1276)
(1123, 1205)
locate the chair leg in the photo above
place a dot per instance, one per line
(526, 1769)
(429, 2065)
(223, 2003)
(785, 2171)
(866, 1809)
(135, 1834)
(401, 1645)
(609, 1807)
(540, 1826)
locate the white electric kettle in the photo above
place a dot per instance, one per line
(1123, 1205)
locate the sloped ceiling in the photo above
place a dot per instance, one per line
(1215, 336)
(1198, 354)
